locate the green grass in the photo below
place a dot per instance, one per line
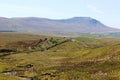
(3, 77)
(82, 59)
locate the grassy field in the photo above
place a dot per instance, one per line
(69, 59)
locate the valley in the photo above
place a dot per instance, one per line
(38, 57)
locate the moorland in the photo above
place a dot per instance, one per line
(38, 57)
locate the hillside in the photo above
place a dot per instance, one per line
(73, 26)
(78, 58)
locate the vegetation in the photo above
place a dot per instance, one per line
(68, 58)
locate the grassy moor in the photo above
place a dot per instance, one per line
(35, 57)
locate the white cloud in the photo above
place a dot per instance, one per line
(95, 9)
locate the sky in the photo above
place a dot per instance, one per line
(106, 11)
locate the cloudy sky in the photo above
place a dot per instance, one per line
(106, 11)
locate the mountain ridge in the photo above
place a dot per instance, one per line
(55, 26)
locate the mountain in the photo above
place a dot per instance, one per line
(51, 26)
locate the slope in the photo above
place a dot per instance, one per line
(72, 26)
(76, 59)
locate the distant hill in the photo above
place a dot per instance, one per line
(72, 26)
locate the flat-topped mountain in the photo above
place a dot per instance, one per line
(54, 26)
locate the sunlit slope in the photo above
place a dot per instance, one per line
(6, 38)
(79, 58)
